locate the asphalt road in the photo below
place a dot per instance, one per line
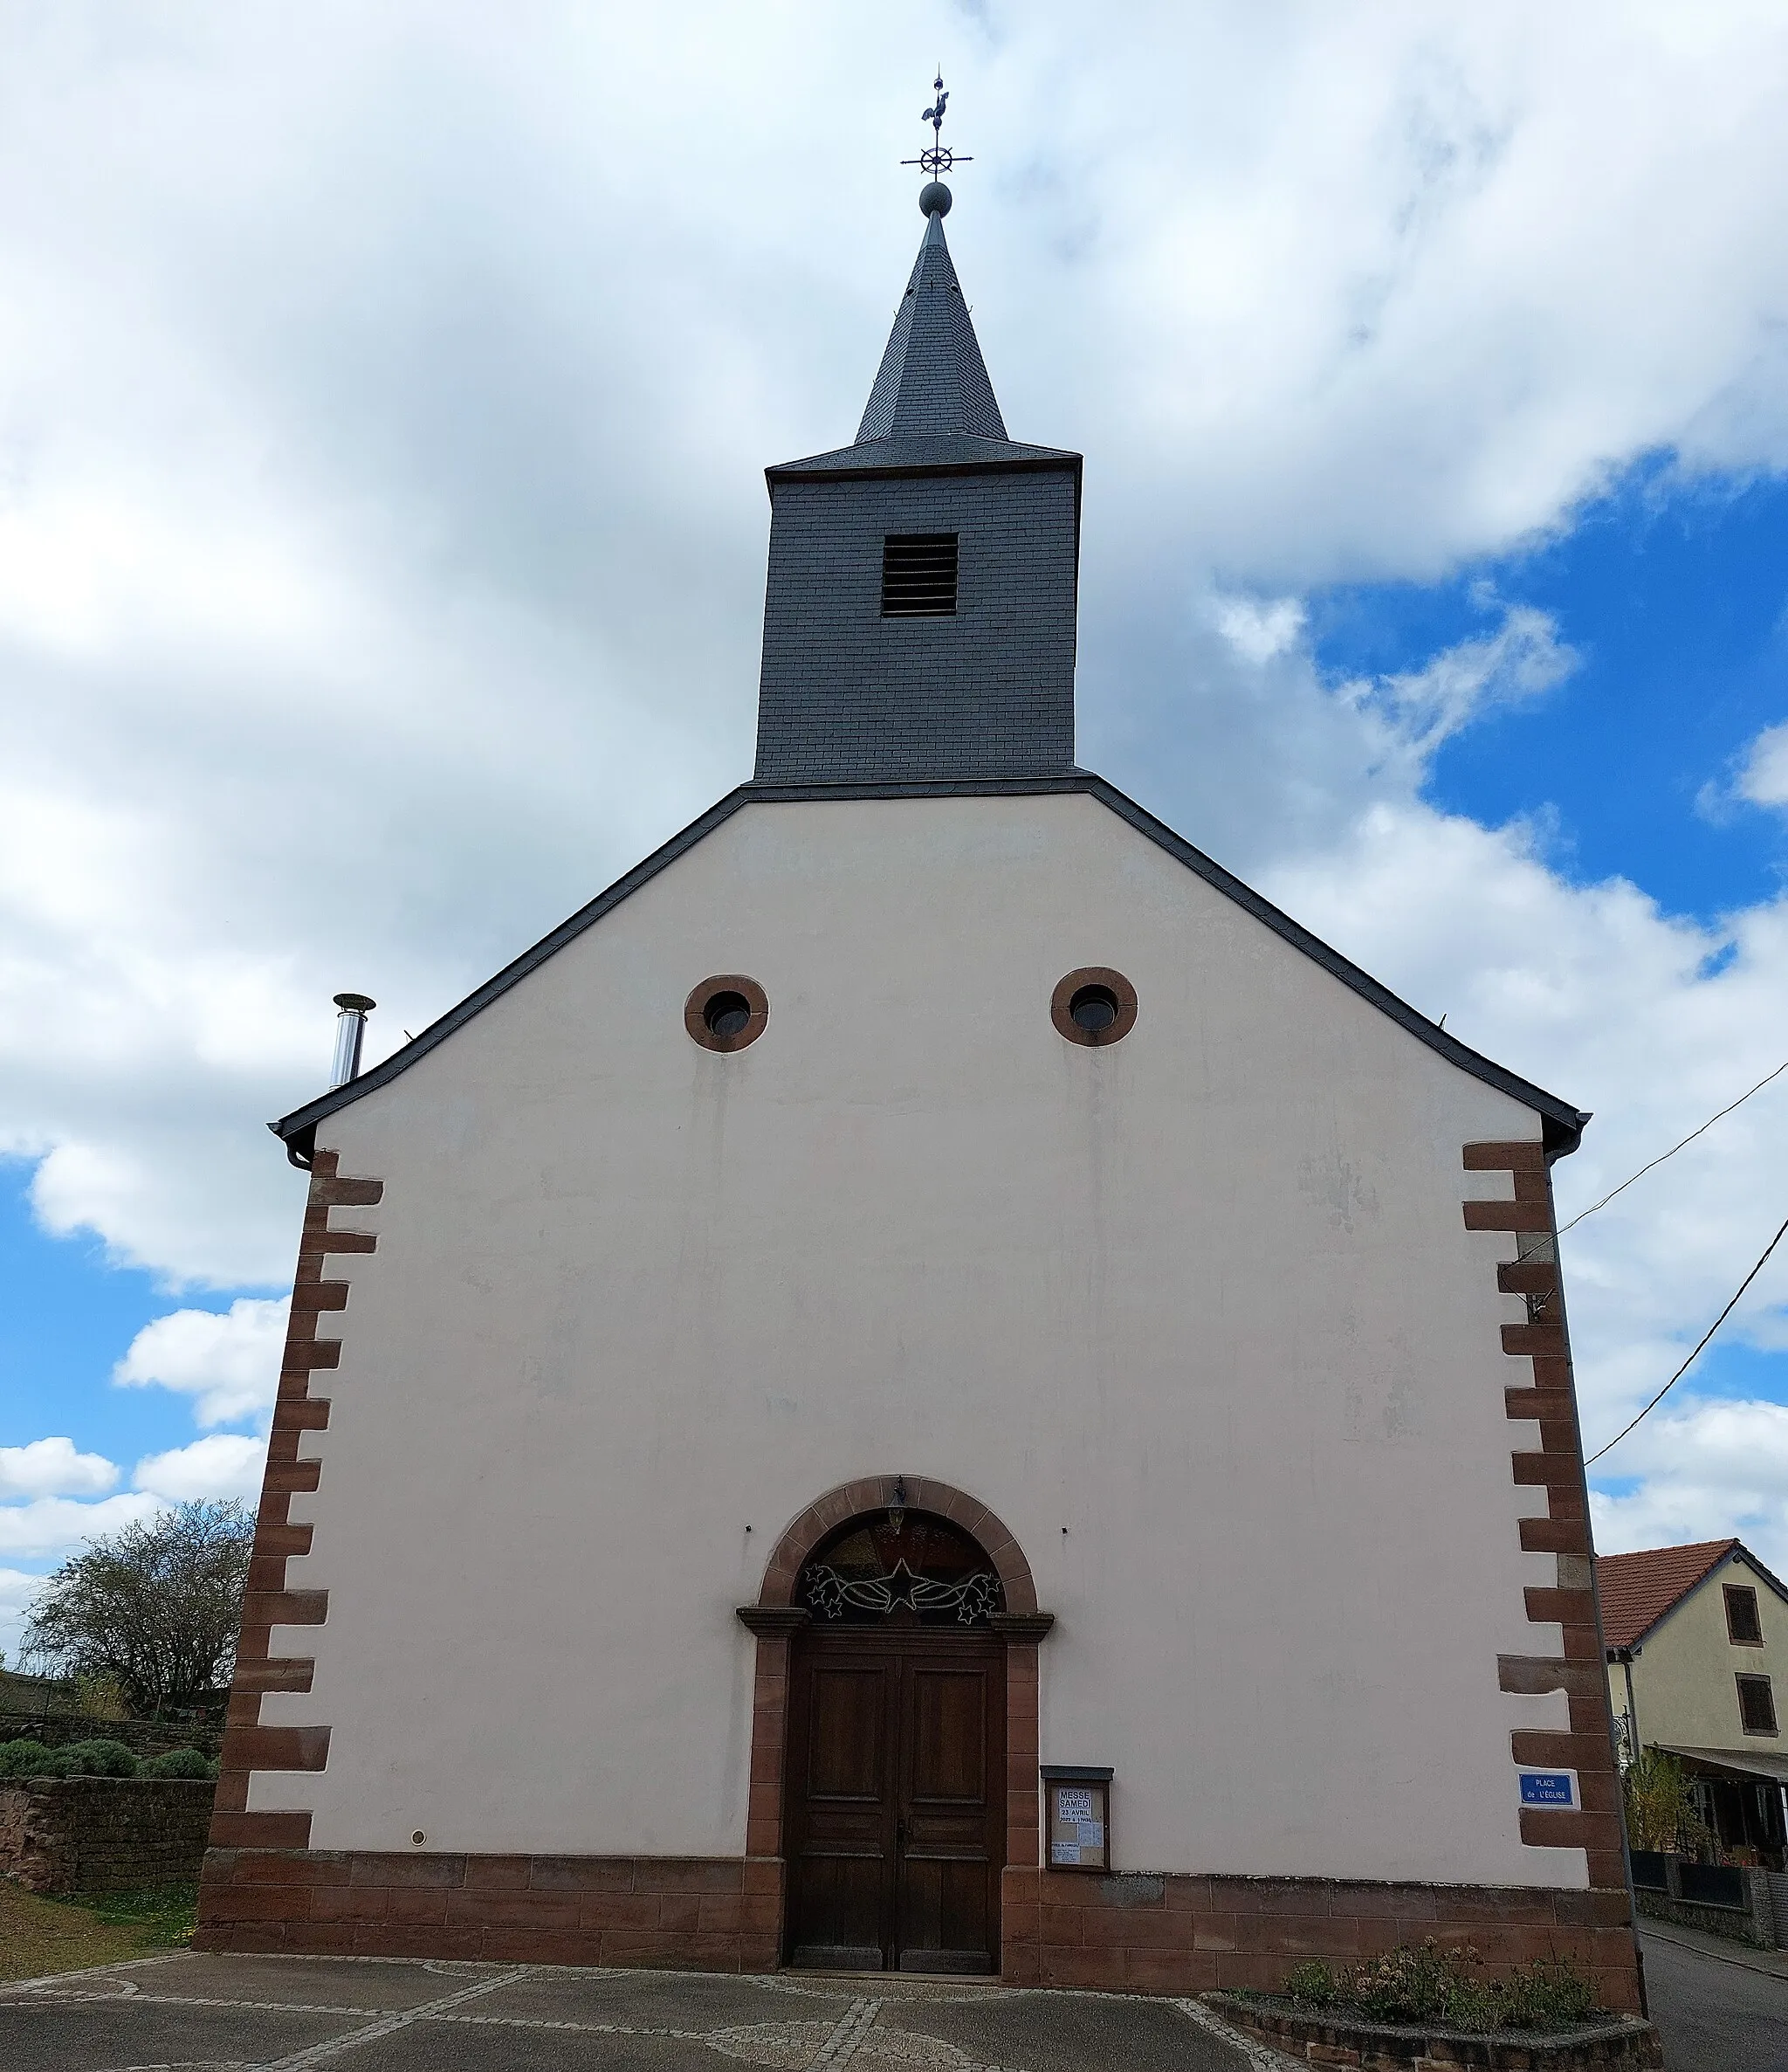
(1715, 2014)
(216, 2013)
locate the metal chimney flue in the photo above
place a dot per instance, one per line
(350, 1033)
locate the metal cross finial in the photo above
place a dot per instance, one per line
(937, 158)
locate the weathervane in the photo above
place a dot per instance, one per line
(937, 158)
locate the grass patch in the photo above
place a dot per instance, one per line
(40, 1935)
(165, 1916)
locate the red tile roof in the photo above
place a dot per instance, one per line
(1637, 1590)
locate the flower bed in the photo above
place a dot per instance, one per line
(1435, 2006)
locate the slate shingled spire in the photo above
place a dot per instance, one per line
(855, 688)
(932, 378)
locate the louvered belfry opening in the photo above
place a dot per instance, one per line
(918, 576)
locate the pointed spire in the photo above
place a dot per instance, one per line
(933, 381)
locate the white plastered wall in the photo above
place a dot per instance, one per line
(1686, 1670)
(1196, 1315)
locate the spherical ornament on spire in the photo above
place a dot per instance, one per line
(934, 199)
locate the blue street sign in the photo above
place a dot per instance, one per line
(1549, 1787)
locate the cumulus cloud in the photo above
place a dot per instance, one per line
(1763, 777)
(1258, 628)
(1702, 1472)
(18, 1588)
(228, 1363)
(221, 1466)
(50, 1527)
(53, 1468)
(1421, 708)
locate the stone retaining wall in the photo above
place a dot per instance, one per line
(141, 1737)
(1753, 1922)
(67, 1834)
(1330, 2039)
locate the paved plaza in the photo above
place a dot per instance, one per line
(230, 2014)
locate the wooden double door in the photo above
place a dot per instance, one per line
(896, 1799)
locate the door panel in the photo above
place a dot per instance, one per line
(948, 1734)
(849, 1732)
(950, 1865)
(894, 1811)
(842, 1820)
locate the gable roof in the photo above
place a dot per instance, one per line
(1637, 1590)
(1563, 1124)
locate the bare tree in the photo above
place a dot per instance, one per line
(156, 1607)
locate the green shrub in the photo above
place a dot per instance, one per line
(1313, 1984)
(23, 1758)
(1447, 1988)
(1546, 1996)
(100, 1758)
(177, 1762)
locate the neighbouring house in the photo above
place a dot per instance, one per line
(45, 1695)
(1697, 1642)
(929, 1382)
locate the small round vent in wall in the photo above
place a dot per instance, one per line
(1094, 1005)
(726, 1013)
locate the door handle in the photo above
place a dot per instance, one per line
(900, 1836)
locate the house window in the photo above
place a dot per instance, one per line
(1743, 1627)
(918, 576)
(1757, 1705)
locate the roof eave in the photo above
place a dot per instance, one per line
(866, 470)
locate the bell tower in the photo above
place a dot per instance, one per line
(919, 615)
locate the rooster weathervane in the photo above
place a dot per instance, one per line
(937, 158)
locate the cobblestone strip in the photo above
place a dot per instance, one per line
(302, 2061)
(836, 2052)
(1259, 2056)
(187, 2000)
(585, 2028)
(94, 1971)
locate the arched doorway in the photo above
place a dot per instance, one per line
(894, 1738)
(895, 1822)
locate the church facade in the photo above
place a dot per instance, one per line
(928, 1383)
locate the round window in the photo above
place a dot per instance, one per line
(1094, 1005)
(726, 1013)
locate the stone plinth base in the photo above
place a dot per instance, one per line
(1134, 1934)
(717, 1914)
(1192, 1935)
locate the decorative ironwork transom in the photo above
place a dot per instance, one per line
(903, 1564)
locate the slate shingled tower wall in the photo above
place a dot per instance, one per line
(847, 696)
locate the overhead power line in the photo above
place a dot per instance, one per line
(1673, 1149)
(1711, 1329)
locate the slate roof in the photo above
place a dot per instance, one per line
(932, 406)
(1636, 1590)
(932, 377)
(1563, 1124)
